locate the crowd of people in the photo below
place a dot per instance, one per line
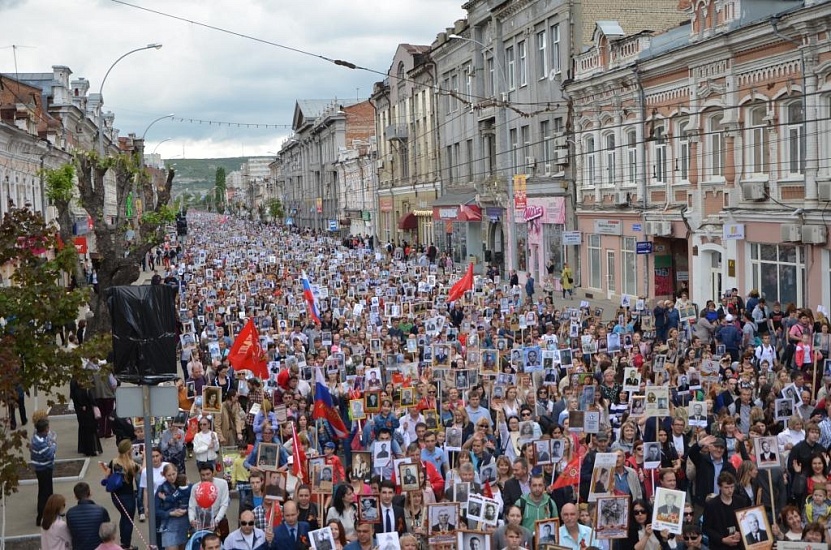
(500, 419)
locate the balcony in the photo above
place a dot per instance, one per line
(397, 132)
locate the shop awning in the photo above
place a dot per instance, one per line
(408, 222)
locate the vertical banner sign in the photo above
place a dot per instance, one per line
(520, 192)
(319, 205)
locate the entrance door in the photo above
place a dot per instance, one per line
(611, 283)
(716, 289)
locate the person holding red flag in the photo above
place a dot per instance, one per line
(247, 354)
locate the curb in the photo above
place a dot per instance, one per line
(81, 475)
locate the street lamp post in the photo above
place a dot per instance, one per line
(171, 115)
(101, 93)
(506, 162)
(157, 145)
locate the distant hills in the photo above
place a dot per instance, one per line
(199, 175)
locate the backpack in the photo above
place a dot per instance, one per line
(115, 481)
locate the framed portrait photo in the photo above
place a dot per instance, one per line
(357, 409)
(766, 450)
(754, 528)
(612, 519)
(473, 540)
(268, 456)
(373, 401)
(322, 539)
(409, 477)
(667, 512)
(361, 464)
(443, 518)
(546, 531)
(369, 508)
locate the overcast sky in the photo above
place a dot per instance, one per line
(205, 74)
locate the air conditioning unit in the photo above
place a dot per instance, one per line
(380, 165)
(753, 191)
(561, 156)
(622, 198)
(814, 234)
(791, 232)
(530, 162)
(549, 168)
(658, 229)
(730, 198)
(561, 142)
(824, 190)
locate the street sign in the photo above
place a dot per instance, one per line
(637, 228)
(572, 238)
(333, 225)
(643, 247)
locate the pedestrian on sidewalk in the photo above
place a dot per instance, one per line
(567, 281)
(85, 519)
(42, 451)
(54, 533)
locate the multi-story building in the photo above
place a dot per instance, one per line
(305, 168)
(407, 147)
(702, 154)
(256, 180)
(503, 122)
(356, 174)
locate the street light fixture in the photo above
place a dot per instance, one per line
(154, 122)
(157, 145)
(506, 162)
(153, 46)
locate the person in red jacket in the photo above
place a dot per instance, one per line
(433, 476)
(332, 459)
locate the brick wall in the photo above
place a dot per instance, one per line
(633, 15)
(360, 122)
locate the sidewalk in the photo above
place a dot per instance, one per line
(20, 508)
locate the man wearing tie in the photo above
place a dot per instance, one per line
(392, 517)
(291, 534)
(755, 535)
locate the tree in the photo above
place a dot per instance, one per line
(220, 189)
(34, 306)
(275, 209)
(121, 244)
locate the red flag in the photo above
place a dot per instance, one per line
(462, 285)
(570, 474)
(246, 353)
(486, 490)
(298, 467)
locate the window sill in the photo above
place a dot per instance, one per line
(792, 180)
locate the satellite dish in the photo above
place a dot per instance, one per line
(552, 75)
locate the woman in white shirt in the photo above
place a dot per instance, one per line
(205, 444)
(793, 435)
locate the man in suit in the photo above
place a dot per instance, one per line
(670, 511)
(291, 534)
(698, 418)
(514, 486)
(444, 525)
(409, 477)
(767, 454)
(632, 379)
(755, 535)
(392, 517)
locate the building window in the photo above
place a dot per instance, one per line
(715, 140)
(457, 158)
(523, 63)
(469, 146)
(795, 139)
(595, 269)
(510, 62)
(758, 146)
(454, 86)
(528, 161)
(447, 96)
(469, 74)
(449, 162)
(659, 172)
(632, 157)
(611, 159)
(490, 83)
(514, 147)
(778, 271)
(545, 132)
(555, 48)
(683, 159)
(542, 59)
(590, 173)
(629, 266)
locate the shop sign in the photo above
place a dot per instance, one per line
(385, 204)
(81, 245)
(520, 191)
(319, 205)
(608, 227)
(733, 232)
(533, 211)
(333, 225)
(448, 213)
(572, 238)
(365, 215)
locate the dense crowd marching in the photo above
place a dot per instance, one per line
(496, 420)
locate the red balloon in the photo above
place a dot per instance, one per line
(206, 494)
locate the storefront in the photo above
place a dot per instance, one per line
(540, 237)
(457, 227)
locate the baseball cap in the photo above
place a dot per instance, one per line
(719, 442)
(329, 445)
(728, 318)
(602, 436)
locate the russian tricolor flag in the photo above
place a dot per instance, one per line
(324, 408)
(310, 298)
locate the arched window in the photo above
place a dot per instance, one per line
(794, 139)
(714, 154)
(659, 172)
(683, 159)
(757, 155)
(590, 172)
(611, 159)
(631, 157)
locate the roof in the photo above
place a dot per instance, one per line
(309, 110)
(610, 29)
(461, 196)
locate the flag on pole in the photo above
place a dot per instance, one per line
(246, 352)
(570, 474)
(309, 296)
(462, 285)
(298, 468)
(324, 407)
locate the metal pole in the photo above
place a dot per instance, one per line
(148, 467)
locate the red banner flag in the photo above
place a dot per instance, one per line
(570, 474)
(298, 467)
(463, 285)
(246, 353)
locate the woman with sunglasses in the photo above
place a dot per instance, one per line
(205, 444)
(641, 536)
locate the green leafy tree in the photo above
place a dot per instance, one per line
(121, 244)
(220, 188)
(34, 305)
(275, 209)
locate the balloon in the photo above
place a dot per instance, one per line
(206, 494)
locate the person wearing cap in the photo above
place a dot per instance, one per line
(332, 460)
(600, 444)
(730, 336)
(710, 458)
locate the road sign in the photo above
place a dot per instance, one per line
(637, 228)
(572, 238)
(644, 247)
(333, 225)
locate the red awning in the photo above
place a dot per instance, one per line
(408, 222)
